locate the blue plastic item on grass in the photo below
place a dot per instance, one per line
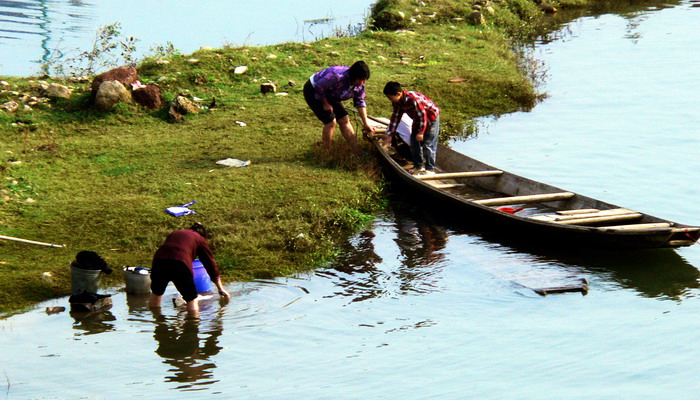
(201, 277)
(179, 211)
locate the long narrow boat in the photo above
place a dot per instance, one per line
(512, 204)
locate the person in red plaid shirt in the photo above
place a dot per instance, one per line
(426, 125)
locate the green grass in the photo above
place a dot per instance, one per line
(101, 181)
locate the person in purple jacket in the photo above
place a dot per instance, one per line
(325, 91)
(172, 262)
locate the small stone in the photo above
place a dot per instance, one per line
(240, 70)
(162, 62)
(292, 82)
(282, 94)
(271, 56)
(4, 83)
(10, 106)
(206, 48)
(193, 61)
(56, 90)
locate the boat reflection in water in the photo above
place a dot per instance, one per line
(420, 238)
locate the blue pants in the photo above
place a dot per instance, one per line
(425, 152)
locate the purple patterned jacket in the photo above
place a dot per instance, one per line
(333, 83)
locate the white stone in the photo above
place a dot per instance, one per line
(240, 70)
(10, 106)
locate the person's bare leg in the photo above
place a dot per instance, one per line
(349, 133)
(154, 301)
(193, 306)
(328, 134)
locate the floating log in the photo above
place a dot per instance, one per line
(452, 175)
(657, 225)
(581, 286)
(533, 198)
(611, 218)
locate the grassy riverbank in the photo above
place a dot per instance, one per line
(101, 181)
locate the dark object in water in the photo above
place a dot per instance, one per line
(582, 287)
(86, 301)
(91, 261)
(55, 310)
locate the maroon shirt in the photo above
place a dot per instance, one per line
(185, 245)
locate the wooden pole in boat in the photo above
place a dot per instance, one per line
(31, 241)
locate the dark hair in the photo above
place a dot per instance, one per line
(392, 88)
(199, 228)
(359, 70)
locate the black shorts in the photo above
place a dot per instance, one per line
(164, 271)
(317, 106)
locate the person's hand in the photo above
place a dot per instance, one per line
(327, 106)
(419, 137)
(224, 293)
(387, 140)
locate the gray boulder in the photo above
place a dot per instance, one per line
(111, 93)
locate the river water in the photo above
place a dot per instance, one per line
(34, 31)
(421, 307)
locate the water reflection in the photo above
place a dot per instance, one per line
(362, 274)
(657, 273)
(94, 322)
(24, 19)
(180, 346)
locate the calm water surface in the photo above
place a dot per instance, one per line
(418, 307)
(31, 30)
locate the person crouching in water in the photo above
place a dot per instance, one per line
(425, 129)
(324, 92)
(172, 262)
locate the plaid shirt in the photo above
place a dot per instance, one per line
(419, 107)
(333, 83)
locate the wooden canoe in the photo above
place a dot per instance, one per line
(498, 200)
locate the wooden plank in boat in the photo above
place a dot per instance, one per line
(533, 198)
(678, 243)
(656, 225)
(598, 213)
(447, 185)
(579, 211)
(453, 175)
(685, 230)
(611, 218)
